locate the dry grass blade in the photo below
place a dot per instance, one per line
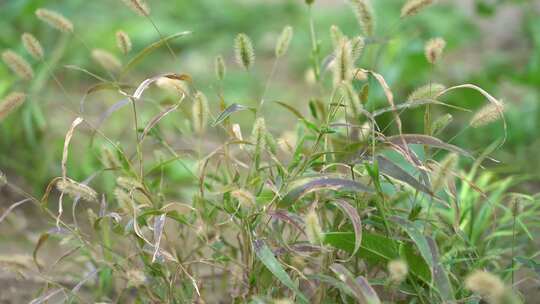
(490, 98)
(154, 121)
(67, 140)
(356, 221)
(149, 49)
(421, 139)
(159, 224)
(8, 210)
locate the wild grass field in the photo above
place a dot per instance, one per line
(285, 151)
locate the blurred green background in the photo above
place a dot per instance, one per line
(493, 44)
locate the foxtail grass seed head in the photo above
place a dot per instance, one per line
(441, 123)
(11, 103)
(200, 113)
(128, 183)
(397, 270)
(109, 158)
(343, 64)
(413, 7)
(74, 190)
(123, 42)
(244, 197)
(428, 91)
(140, 7)
(287, 141)
(174, 86)
(284, 41)
(310, 2)
(244, 52)
(337, 36)
(18, 65)
(357, 47)
(434, 49)
(32, 46)
(488, 114)
(258, 137)
(136, 278)
(487, 285)
(123, 199)
(55, 20)
(313, 228)
(220, 68)
(106, 60)
(364, 14)
(444, 171)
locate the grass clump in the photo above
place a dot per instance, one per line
(342, 207)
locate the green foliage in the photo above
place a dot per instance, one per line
(164, 206)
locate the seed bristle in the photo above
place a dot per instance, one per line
(32, 46)
(488, 114)
(18, 65)
(364, 14)
(140, 7)
(413, 7)
(106, 60)
(123, 42)
(74, 190)
(55, 20)
(245, 55)
(434, 49)
(11, 103)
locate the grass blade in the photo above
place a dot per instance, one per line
(266, 256)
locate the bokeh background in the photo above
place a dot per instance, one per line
(494, 44)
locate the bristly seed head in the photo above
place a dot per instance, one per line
(413, 7)
(343, 65)
(364, 14)
(337, 36)
(398, 271)
(220, 68)
(123, 42)
(244, 197)
(200, 113)
(434, 49)
(32, 46)
(138, 6)
(245, 55)
(444, 171)
(173, 85)
(488, 114)
(55, 20)
(74, 190)
(284, 41)
(487, 285)
(11, 103)
(106, 60)
(357, 47)
(313, 228)
(18, 65)
(428, 91)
